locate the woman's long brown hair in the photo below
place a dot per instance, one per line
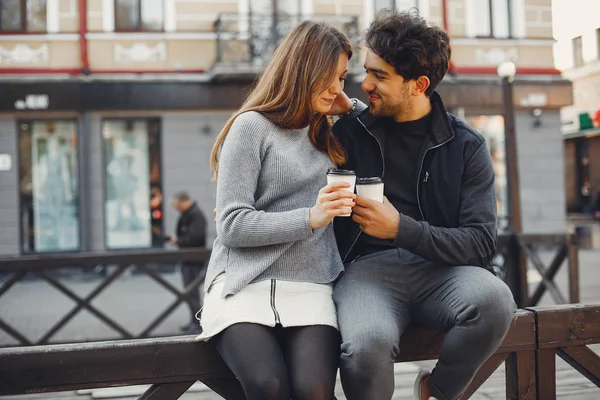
(304, 64)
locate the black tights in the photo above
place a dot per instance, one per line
(298, 363)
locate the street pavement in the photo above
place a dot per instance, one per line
(133, 301)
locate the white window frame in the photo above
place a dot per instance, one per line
(52, 16)
(108, 15)
(169, 16)
(517, 27)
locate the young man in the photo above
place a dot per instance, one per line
(190, 232)
(423, 256)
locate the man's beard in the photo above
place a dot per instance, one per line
(383, 109)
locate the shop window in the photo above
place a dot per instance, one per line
(492, 128)
(139, 15)
(22, 15)
(133, 206)
(48, 186)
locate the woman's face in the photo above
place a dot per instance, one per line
(323, 101)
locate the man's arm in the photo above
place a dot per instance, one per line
(473, 242)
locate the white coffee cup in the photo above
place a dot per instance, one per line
(335, 175)
(371, 188)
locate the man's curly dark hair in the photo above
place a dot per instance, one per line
(414, 48)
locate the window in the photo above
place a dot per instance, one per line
(577, 52)
(132, 170)
(290, 7)
(22, 15)
(491, 17)
(400, 5)
(499, 19)
(598, 43)
(139, 15)
(48, 186)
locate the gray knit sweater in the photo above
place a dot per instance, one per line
(269, 179)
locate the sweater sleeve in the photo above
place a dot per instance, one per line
(239, 223)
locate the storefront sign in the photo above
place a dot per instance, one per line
(534, 100)
(33, 102)
(5, 162)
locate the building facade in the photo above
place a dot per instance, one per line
(578, 56)
(105, 105)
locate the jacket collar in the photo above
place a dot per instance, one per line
(441, 130)
(193, 207)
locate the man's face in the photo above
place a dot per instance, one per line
(389, 93)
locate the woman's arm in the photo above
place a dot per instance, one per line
(239, 223)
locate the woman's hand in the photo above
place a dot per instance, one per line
(341, 105)
(333, 200)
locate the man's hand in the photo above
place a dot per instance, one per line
(341, 105)
(380, 220)
(173, 239)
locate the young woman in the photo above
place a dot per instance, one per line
(268, 305)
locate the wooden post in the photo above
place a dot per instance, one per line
(521, 376)
(573, 268)
(518, 258)
(546, 374)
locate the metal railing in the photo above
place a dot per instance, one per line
(52, 269)
(106, 267)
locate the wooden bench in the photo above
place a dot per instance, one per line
(172, 365)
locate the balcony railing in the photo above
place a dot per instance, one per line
(245, 43)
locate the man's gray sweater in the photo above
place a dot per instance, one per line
(269, 178)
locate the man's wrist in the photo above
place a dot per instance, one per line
(354, 105)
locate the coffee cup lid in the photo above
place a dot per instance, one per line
(368, 181)
(337, 171)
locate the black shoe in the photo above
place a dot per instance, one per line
(192, 327)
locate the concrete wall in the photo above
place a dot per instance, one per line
(186, 150)
(95, 176)
(541, 173)
(9, 189)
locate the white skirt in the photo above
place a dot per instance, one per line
(268, 303)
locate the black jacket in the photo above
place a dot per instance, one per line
(191, 228)
(455, 189)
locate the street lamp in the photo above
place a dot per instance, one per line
(516, 265)
(507, 72)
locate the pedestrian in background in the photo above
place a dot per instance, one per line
(190, 232)
(597, 206)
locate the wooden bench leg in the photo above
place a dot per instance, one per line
(546, 374)
(166, 391)
(583, 360)
(573, 271)
(520, 376)
(486, 370)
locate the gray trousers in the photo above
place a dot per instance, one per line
(381, 293)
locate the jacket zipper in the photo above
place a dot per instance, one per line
(382, 174)
(275, 313)
(426, 173)
(380, 148)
